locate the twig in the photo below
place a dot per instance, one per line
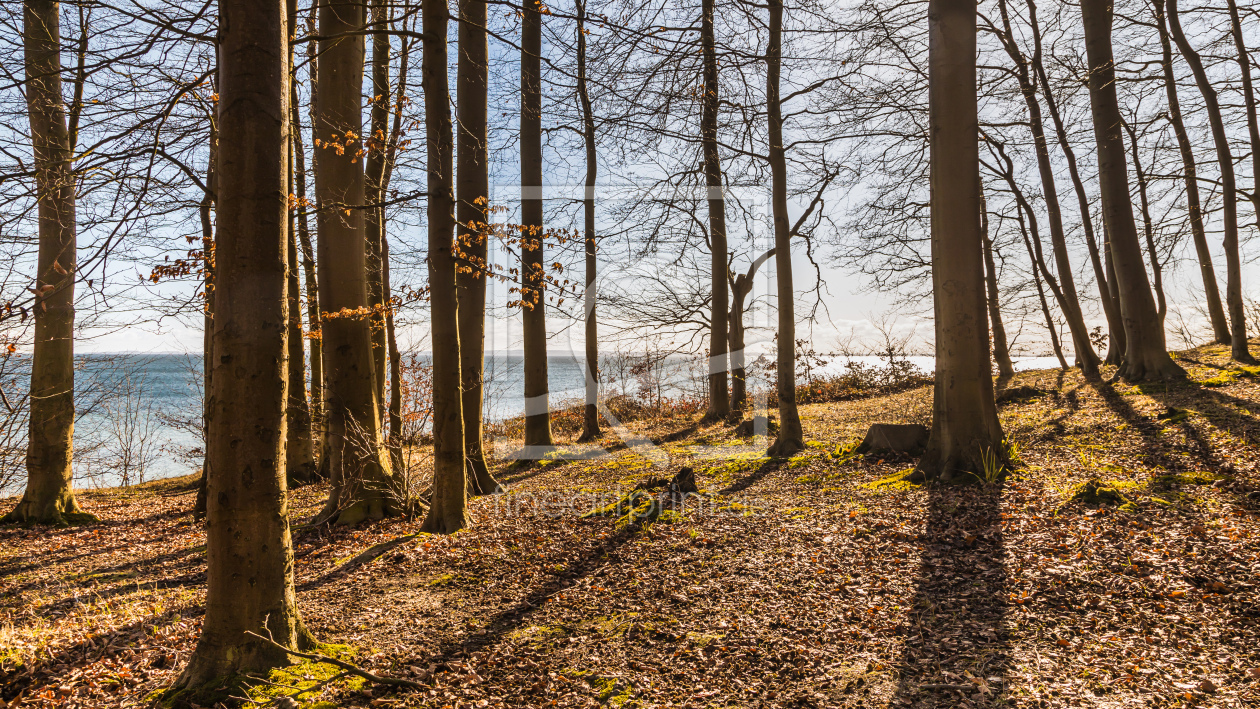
(957, 687)
(352, 669)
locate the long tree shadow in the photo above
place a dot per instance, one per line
(753, 477)
(956, 647)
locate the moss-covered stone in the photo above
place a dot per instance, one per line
(1101, 494)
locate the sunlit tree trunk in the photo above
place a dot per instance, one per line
(965, 426)
(1001, 350)
(533, 275)
(1211, 293)
(374, 215)
(49, 497)
(791, 438)
(363, 486)
(1148, 228)
(590, 413)
(1145, 355)
(719, 398)
(249, 559)
(448, 511)
(741, 287)
(473, 189)
(391, 339)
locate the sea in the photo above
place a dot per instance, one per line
(138, 416)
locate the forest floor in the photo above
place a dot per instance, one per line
(807, 582)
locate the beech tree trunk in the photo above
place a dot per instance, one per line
(448, 511)
(1111, 306)
(363, 485)
(741, 286)
(391, 339)
(249, 557)
(49, 497)
(1065, 289)
(719, 400)
(964, 418)
(590, 413)
(1229, 192)
(1211, 293)
(533, 237)
(300, 460)
(206, 212)
(473, 185)
(1001, 350)
(791, 439)
(1145, 355)
(374, 214)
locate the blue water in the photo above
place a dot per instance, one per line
(139, 415)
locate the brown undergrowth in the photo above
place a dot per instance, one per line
(806, 582)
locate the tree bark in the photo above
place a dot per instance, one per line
(206, 212)
(533, 275)
(1211, 293)
(719, 400)
(1145, 356)
(1229, 193)
(1001, 350)
(964, 419)
(791, 439)
(363, 485)
(1065, 289)
(448, 511)
(249, 556)
(590, 413)
(473, 191)
(374, 214)
(49, 496)
(1111, 306)
(391, 339)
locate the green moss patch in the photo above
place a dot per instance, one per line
(1100, 493)
(896, 482)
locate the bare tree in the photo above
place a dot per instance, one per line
(965, 426)
(48, 498)
(248, 521)
(1145, 355)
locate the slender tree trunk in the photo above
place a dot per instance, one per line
(249, 556)
(1211, 293)
(448, 508)
(374, 214)
(1249, 104)
(300, 460)
(1148, 230)
(590, 414)
(719, 400)
(363, 486)
(1146, 356)
(965, 426)
(206, 212)
(1001, 351)
(313, 319)
(473, 191)
(533, 275)
(1111, 307)
(1065, 289)
(741, 286)
(1116, 338)
(791, 438)
(49, 497)
(391, 339)
(1229, 193)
